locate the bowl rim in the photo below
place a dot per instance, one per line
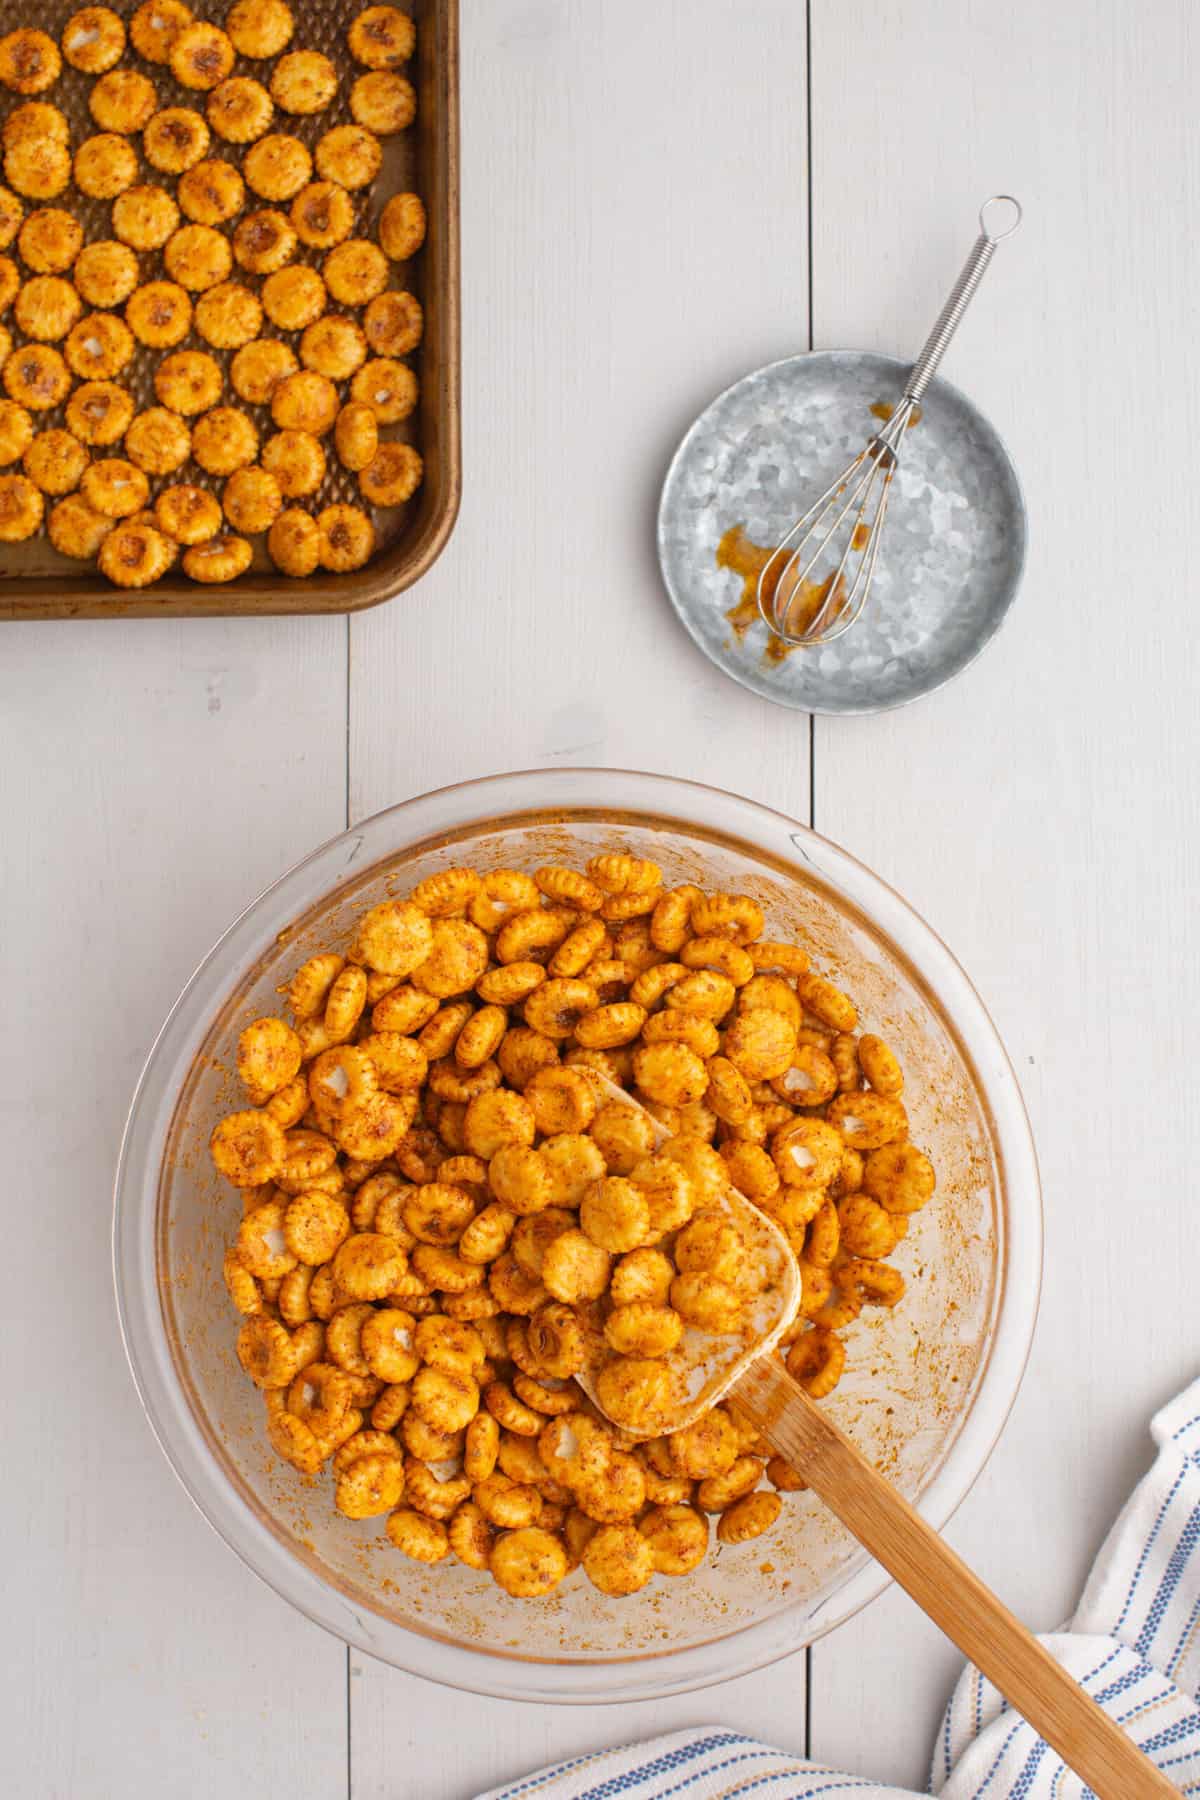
(494, 800)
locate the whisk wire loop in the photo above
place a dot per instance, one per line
(803, 611)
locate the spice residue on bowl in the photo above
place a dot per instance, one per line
(883, 409)
(740, 553)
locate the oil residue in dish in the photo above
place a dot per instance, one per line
(740, 553)
(882, 410)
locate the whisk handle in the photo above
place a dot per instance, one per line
(962, 293)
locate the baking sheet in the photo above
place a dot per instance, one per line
(36, 582)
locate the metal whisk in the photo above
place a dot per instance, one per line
(838, 537)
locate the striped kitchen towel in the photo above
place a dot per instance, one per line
(1134, 1643)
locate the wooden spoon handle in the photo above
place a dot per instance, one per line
(942, 1585)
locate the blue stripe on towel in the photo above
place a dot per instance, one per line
(633, 1779)
(1177, 1563)
(1150, 1541)
(717, 1740)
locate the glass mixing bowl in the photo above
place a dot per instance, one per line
(928, 1385)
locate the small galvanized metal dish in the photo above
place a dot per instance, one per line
(948, 567)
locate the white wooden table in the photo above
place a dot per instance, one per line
(641, 225)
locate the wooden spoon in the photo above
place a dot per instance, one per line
(754, 1379)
